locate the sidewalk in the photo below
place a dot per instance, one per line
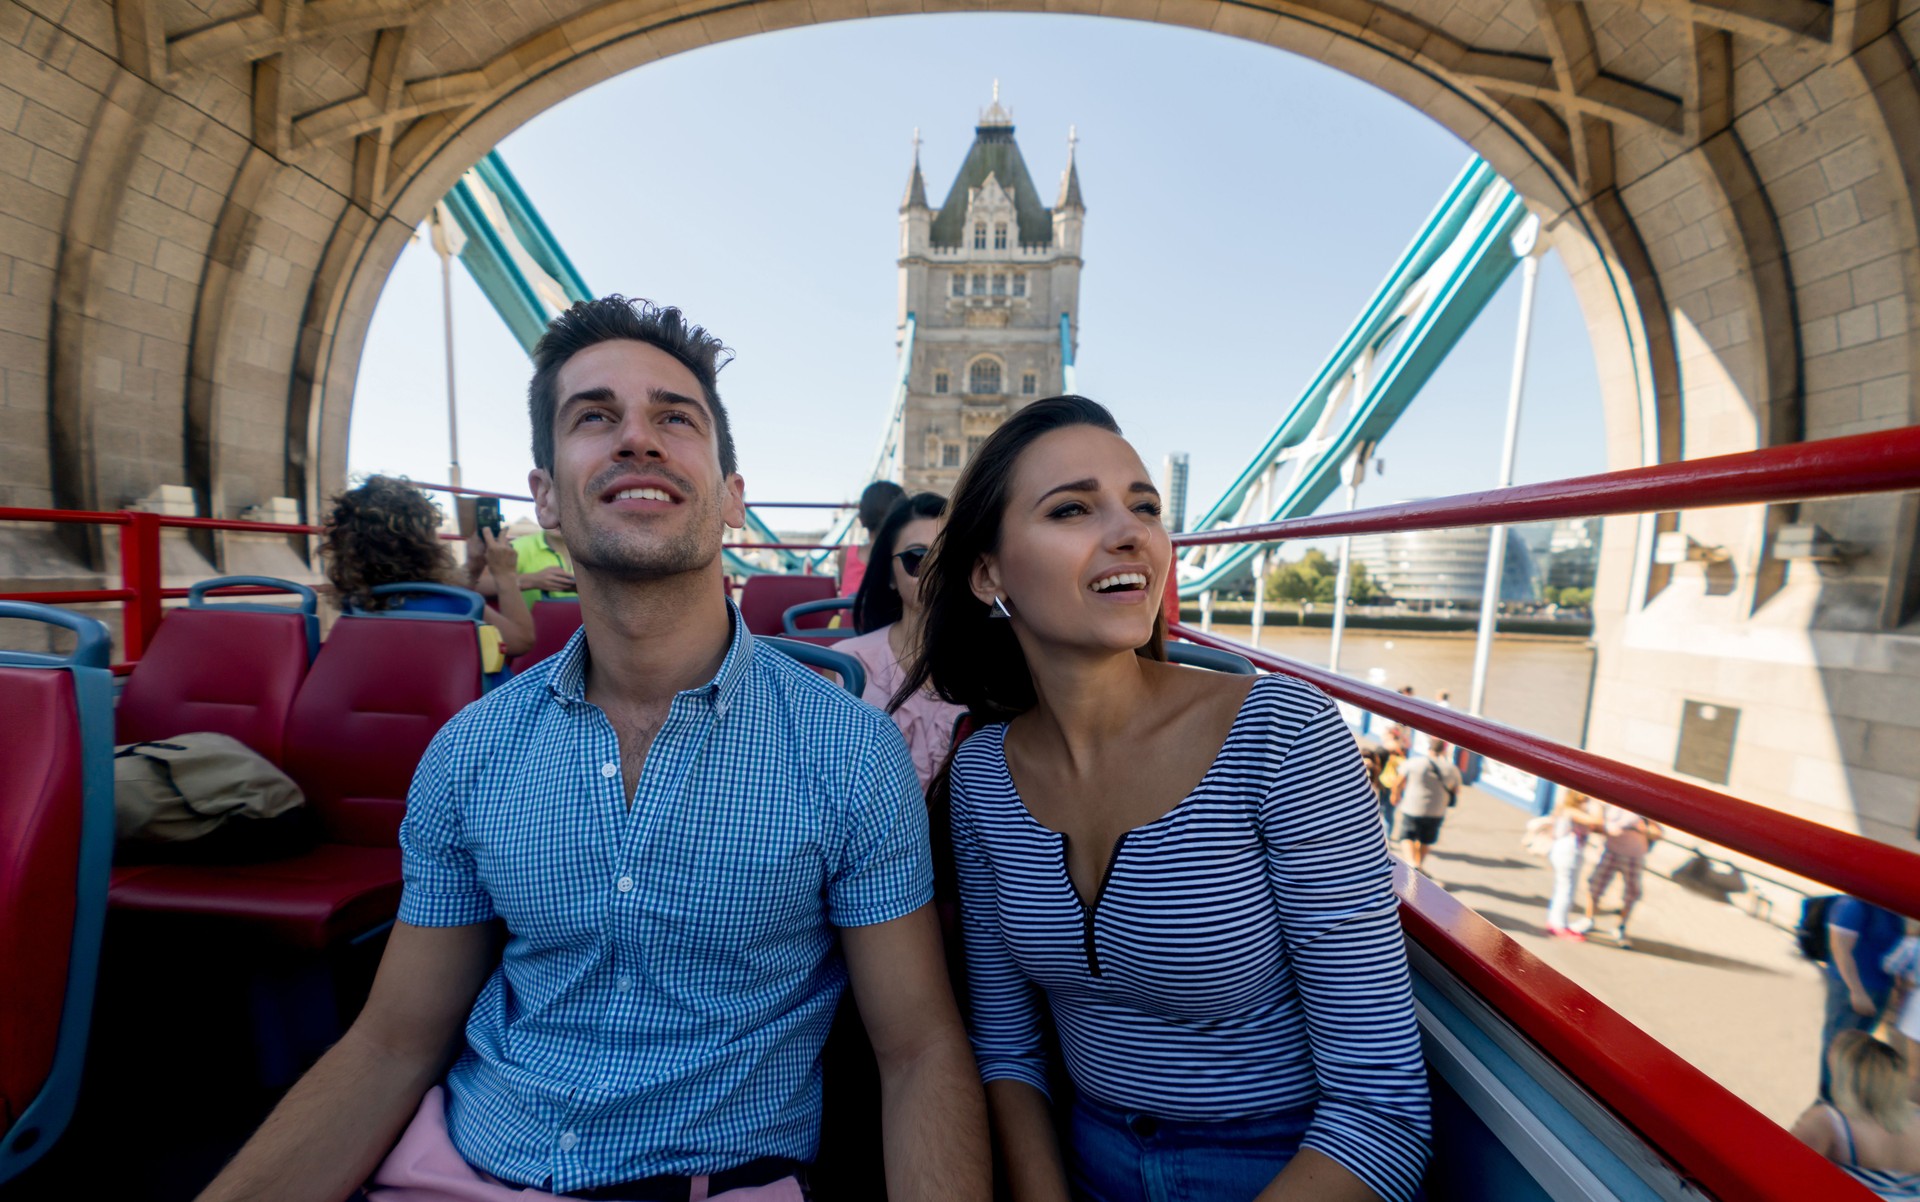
(1724, 990)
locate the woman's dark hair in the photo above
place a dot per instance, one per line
(974, 660)
(878, 603)
(877, 501)
(384, 532)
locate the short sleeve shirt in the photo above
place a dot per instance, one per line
(671, 968)
(1430, 787)
(535, 553)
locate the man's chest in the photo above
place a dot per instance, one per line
(722, 844)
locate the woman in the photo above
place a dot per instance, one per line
(1572, 820)
(388, 532)
(887, 612)
(1187, 865)
(1868, 1129)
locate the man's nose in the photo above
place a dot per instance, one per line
(638, 441)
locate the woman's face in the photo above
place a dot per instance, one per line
(916, 535)
(1083, 558)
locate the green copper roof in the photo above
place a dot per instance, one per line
(994, 153)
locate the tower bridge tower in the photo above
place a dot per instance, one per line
(988, 277)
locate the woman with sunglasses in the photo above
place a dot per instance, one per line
(887, 612)
(1185, 866)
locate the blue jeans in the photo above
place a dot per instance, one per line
(1840, 1017)
(1127, 1156)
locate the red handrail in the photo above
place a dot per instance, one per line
(1888, 461)
(1875, 871)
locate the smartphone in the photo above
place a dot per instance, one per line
(486, 515)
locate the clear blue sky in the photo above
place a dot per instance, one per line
(1242, 205)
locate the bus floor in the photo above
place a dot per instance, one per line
(1724, 990)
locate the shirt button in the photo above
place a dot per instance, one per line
(624, 884)
(609, 770)
(623, 984)
(567, 1141)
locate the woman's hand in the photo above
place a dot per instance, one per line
(498, 556)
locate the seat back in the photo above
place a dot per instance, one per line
(56, 845)
(378, 693)
(814, 615)
(228, 667)
(553, 624)
(853, 677)
(425, 599)
(1193, 655)
(764, 600)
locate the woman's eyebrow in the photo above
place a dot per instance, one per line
(1088, 485)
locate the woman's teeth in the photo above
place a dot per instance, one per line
(1118, 581)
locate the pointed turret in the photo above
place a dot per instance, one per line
(994, 154)
(1070, 178)
(916, 197)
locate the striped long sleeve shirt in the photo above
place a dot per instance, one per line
(1243, 956)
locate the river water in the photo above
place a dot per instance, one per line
(1538, 683)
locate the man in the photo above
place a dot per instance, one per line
(1628, 837)
(1429, 783)
(876, 502)
(1859, 936)
(673, 824)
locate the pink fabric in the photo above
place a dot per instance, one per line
(425, 1167)
(925, 720)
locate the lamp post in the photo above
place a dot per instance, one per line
(448, 241)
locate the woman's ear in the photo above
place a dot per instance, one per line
(985, 580)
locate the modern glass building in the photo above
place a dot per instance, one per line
(1446, 567)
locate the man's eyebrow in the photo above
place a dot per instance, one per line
(666, 396)
(655, 396)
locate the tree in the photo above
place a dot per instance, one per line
(1576, 598)
(1315, 577)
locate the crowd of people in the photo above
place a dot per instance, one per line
(1167, 946)
(693, 849)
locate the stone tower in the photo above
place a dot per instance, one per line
(988, 276)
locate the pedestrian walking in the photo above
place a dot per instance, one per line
(1429, 785)
(1628, 836)
(1859, 937)
(1574, 817)
(1903, 965)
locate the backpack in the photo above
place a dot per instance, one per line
(204, 797)
(1811, 935)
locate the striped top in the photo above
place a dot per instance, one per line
(1242, 958)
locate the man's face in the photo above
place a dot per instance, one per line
(636, 482)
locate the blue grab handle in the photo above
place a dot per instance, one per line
(93, 645)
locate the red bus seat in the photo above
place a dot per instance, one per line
(764, 600)
(378, 693)
(56, 839)
(553, 624)
(233, 670)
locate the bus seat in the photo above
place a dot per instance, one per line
(1193, 655)
(853, 677)
(228, 667)
(553, 624)
(56, 843)
(764, 600)
(378, 693)
(376, 696)
(813, 616)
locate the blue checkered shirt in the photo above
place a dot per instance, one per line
(671, 969)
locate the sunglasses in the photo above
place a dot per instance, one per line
(911, 559)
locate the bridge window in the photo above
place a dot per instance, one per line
(1029, 384)
(979, 237)
(999, 284)
(980, 284)
(983, 377)
(1019, 283)
(950, 454)
(1000, 237)
(940, 381)
(959, 284)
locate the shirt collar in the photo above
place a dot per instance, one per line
(567, 680)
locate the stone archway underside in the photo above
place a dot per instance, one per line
(203, 198)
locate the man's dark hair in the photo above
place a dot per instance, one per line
(877, 501)
(589, 323)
